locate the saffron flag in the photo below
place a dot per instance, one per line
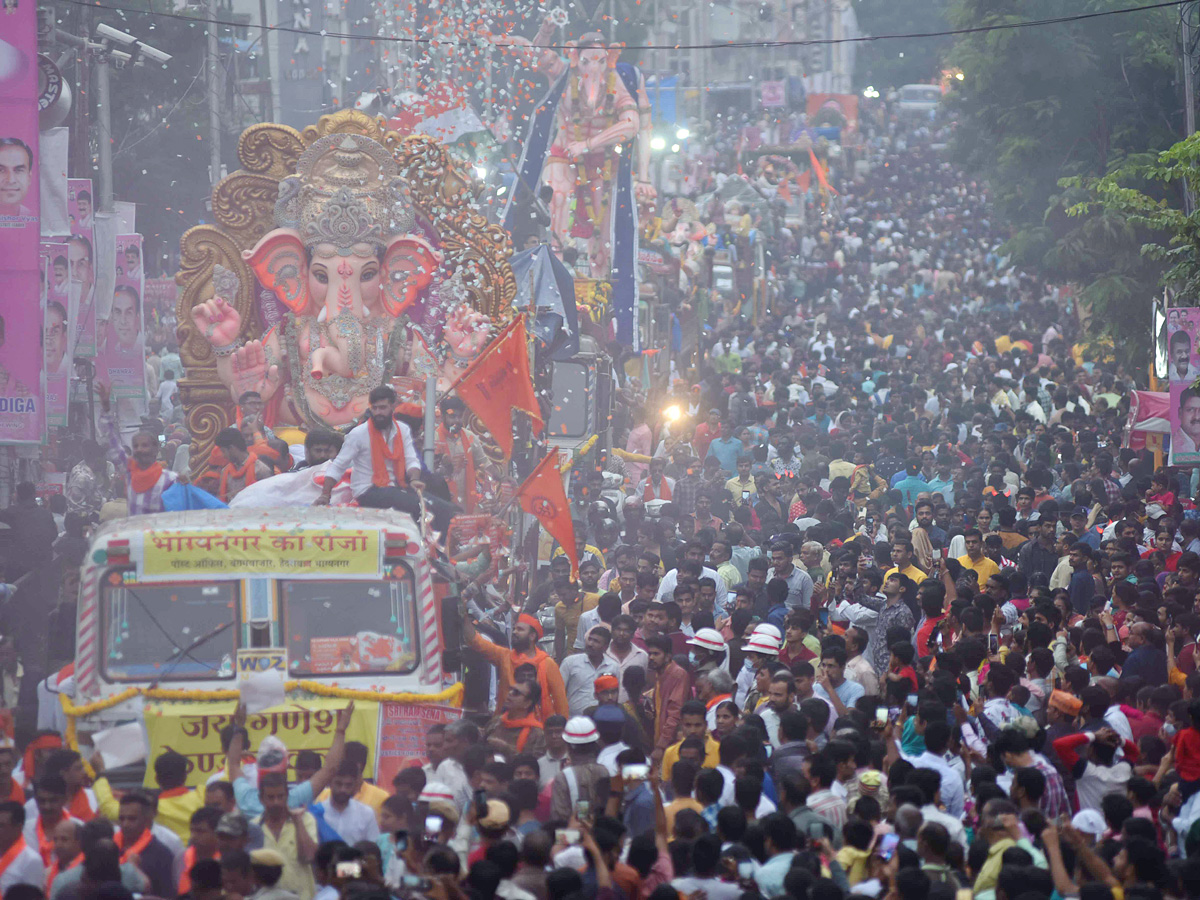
(816, 164)
(498, 382)
(542, 496)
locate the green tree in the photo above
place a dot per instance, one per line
(1077, 100)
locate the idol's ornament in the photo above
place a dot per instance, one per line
(342, 257)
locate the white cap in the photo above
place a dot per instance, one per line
(763, 643)
(580, 730)
(1090, 821)
(768, 630)
(709, 639)
(434, 791)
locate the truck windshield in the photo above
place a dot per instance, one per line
(350, 627)
(569, 415)
(168, 632)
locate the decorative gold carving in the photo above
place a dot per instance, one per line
(243, 210)
(271, 150)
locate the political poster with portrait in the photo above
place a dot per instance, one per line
(122, 356)
(1183, 373)
(22, 407)
(82, 258)
(56, 331)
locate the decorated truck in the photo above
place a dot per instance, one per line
(179, 610)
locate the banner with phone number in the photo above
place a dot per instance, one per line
(402, 728)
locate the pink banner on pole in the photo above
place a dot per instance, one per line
(56, 332)
(122, 338)
(82, 257)
(1183, 375)
(22, 410)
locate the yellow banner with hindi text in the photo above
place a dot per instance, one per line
(287, 552)
(194, 729)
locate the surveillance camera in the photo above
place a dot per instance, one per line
(153, 53)
(110, 33)
(120, 58)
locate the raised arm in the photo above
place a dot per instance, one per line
(333, 759)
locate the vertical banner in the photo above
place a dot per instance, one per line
(52, 202)
(122, 338)
(56, 333)
(22, 410)
(1183, 371)
(82, 256)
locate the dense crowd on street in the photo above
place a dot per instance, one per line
(881, 607)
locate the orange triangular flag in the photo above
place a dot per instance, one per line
(498, 382)
(542, 495)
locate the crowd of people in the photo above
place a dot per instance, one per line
(881, 608)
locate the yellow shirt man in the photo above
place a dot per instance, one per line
(911, 572)
(712, 757)
(983, 568)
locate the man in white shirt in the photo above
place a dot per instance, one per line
(353, 820)
(386, 470)
(692, 553)
(25, 866)
(937, 738)
(623, 653)
(580, 671)
(450, 772)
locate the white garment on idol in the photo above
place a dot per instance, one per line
(292, 489)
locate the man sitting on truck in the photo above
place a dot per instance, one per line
(243, 468)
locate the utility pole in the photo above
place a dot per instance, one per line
(1188, 35)
(265, 69)
(104, 139)
(213, 84)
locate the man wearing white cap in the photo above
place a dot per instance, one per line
(584, 779)
(708, 650)
(762, 647)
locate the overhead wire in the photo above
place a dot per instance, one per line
(727, 45)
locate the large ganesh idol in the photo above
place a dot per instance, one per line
(343, 257)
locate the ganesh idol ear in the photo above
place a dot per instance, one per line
(408, 265)
(281, 265)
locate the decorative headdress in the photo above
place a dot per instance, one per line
(347, 192)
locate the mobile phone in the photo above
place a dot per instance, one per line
(887, 846)
(745, 870)
(583, 810)
(566, 836)
(881, 715)
(416, 882)
(816, 831)
(401, 837)
(635, 772)
(480, 800)
(433, 826)
(870, 521)
(349, 869)
(911, 700)
(993, 643)
(745, 495)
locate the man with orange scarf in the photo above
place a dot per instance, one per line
(381, 456)
(145, 477)
(243, 467)
(519, 729)
(525, 634)
(656, 485)
(466, 456)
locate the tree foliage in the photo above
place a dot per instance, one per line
(1045, 112)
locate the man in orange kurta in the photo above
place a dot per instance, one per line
(525, 635)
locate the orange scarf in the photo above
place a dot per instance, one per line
(525, 723)
(381, 456)
(663, 492)
(189, 860)
(717, 699)
(138, 846)
(247, 471)
(144, 480)
(45, 844)
(17, 848)
(81, 807)
(53, 870)
(443, 439)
